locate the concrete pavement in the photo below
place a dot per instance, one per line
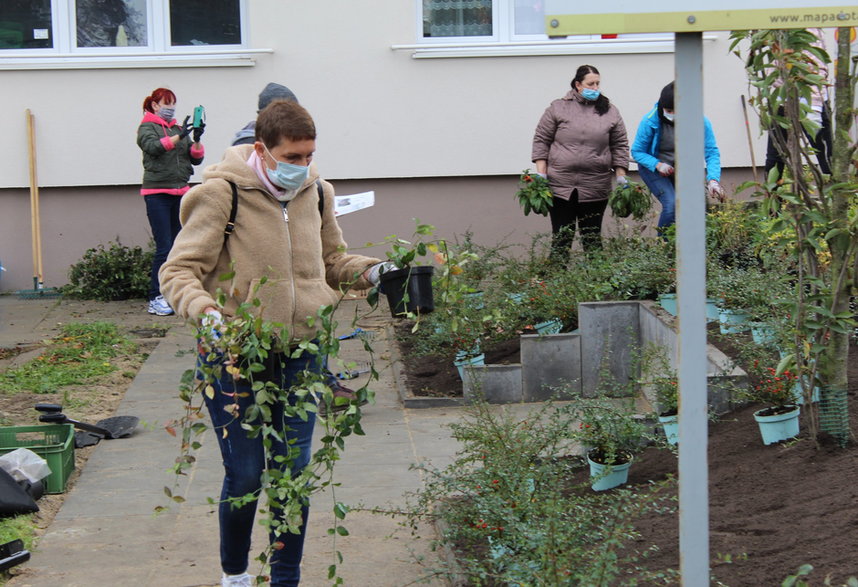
(106, 533)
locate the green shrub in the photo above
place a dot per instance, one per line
(108, 274)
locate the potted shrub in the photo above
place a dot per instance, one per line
(779, 419)
(408, 287)
(612, 435)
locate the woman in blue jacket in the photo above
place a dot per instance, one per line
(654, 151)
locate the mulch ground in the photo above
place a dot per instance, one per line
(772, 508)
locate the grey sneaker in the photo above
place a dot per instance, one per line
(243, 580)
(160, 307)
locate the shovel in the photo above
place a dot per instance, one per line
(110, 428)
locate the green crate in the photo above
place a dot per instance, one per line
(52, 442)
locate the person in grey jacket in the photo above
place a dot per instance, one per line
(580, 144)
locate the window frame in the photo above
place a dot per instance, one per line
(65, 54)
(505, 42)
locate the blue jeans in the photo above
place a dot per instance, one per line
(664, 191)
(244, 461)
(163, 213)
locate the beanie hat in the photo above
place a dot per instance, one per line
(666, 98)
(275, 92)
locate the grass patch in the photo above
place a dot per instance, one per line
(81, 353)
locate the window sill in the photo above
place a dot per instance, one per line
(538, 48)
(226, 58)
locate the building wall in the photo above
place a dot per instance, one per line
(438, 139)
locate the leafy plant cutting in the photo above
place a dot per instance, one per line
(630, 199)
(533, 193)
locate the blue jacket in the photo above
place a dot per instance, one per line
(645, 147)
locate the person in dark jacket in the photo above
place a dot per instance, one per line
(168, 159)
(271, 92)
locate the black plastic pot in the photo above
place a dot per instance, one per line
(409, 290)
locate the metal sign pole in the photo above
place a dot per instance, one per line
(691, 296)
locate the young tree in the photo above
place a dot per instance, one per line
(786, 68)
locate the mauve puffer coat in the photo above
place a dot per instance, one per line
(582, 148)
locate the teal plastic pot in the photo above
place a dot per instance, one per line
(515, 298)
(549, 327)
(763, 334)
(465, 362)
(668, 302)
(799, 394)
(606, 477)
(733, 321)
(777, 427)
(712, 310)
(670, 425)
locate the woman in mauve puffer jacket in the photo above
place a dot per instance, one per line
(580, 143)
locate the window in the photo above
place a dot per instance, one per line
(116, 28)
(511, 27)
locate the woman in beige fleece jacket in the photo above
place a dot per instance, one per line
(580, 143)
(283, 234)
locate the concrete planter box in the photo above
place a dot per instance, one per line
(569, 364)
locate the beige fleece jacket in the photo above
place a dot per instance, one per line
(303, 257)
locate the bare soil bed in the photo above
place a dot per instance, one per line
(772, 508)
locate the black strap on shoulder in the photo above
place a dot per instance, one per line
(321, 192)
(230, 225)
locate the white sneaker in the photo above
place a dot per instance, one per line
(160, 307)
(243, 580)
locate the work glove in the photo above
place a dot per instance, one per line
(664, 169)
(373, 274)
(211, 324)
(186, 127)
(542, 175)
(715, 190)
(198, 131)
(622, 181)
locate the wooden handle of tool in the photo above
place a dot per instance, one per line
(35, 222)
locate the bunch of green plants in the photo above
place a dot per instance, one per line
(241, 347)
(630, 199)
(658, 379)
(760, 293)
(514, 514)
(117, 272)
(79, 354)
(534, 194)
(731, 233)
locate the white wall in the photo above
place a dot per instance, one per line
(379, 112)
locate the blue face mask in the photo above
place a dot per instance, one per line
(166, 113)
(589, 94)
(287, 176)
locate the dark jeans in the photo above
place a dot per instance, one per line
(822, 143)
(664, 191)
(244, 462)
(163, 213)
(564, 214)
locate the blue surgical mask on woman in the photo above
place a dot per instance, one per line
(669, 117)
(167, 113)
(287, 175)
(589, 94)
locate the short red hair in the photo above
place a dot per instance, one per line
(158, 96)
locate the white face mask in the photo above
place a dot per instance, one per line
(669, 117)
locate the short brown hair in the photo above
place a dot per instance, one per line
(283, 119)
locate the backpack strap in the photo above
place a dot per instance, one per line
(321, 192)
(230, 225)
